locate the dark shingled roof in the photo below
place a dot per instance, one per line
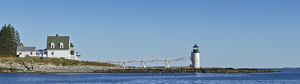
(56, 40)
(25, 48)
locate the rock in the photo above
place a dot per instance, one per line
(23, 67)
(180, 70)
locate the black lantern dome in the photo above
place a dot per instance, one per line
(195, 48)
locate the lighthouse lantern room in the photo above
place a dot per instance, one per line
(195, 57)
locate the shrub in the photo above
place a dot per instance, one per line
(4, 55)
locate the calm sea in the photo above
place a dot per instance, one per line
(287, 76)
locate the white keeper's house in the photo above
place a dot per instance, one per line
(57, 47)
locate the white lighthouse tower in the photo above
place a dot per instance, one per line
(195, 57)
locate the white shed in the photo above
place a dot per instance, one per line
(23, 51)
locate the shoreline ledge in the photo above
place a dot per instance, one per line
(141, 70)
(15, 67)
(186, 70)
(59, 65)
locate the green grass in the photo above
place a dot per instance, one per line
(4, 55)
(53, 61)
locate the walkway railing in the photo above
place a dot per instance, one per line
(145, 60)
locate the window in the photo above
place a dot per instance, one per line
(52, 53)
(61, 45)
(30, 53)
(52, 45)
(45, 52)
(72, 52)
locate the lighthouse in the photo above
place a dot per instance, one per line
(195, 56)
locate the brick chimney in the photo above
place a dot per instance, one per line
(22, 45)
(56, 34)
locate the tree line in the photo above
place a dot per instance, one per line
(9, 40)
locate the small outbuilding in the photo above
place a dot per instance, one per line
(23, 51)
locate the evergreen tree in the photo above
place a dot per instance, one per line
(71, 44)
(9, 40)
(1, 45)
(17, 38)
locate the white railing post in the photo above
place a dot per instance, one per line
(143, 64)
(123, 64)
(167, 64)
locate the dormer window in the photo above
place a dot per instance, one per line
(61, 45)
(52, 45)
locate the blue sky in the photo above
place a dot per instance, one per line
(230, 33)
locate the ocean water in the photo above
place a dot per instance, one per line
(287, 76)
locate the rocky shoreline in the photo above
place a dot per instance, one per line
(185, 70)
(23, 67)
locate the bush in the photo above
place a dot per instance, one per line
(27, 56)
(4, 55)
(62, 58)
